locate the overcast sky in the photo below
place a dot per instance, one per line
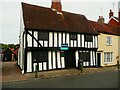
(10, 13)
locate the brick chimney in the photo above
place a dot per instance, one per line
(101, 20)
(110, 14)
(56, 4)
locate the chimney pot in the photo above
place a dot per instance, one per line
(110, 14)
(56, 4)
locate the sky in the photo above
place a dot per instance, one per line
(10, 13)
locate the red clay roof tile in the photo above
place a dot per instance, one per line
(37, 17)
(105, 28)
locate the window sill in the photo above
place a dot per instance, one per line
(108, 45)
(108, 63)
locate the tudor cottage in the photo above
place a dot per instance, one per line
(55, 39)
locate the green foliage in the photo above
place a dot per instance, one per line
(4, 46)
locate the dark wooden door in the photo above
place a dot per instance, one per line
(8, 57)
(99, 59)
(70, 59)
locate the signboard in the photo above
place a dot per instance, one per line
(64, 47)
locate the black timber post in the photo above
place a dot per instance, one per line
(25, 60)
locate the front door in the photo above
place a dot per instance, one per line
(70, 59)
(99, 59)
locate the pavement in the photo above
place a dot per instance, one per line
(11, 72)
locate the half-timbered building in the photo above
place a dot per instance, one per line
(55, 39)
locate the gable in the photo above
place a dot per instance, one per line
(7, 51)
(113, 22)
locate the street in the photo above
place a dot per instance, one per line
(106, 79)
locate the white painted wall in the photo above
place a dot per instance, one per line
(54, 61)
(63, 38)
(77, 57)
(82, 40)
(50, 39)
(21, 51)
(63, 62)
(36, 36)
(29, 62)
(91, 58)
(29, 39)
(44, 66)
(58, 59)
(49, 60)
(67, 39)
(79, 40)
(60, 40)
(45, 43)
(55, 39)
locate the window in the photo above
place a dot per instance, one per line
(43, 36)
(40, 56)
(88, 38)
(109, 40)
(85, 56)
(108, 57)
(73, 36)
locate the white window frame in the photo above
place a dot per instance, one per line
(108, 57)
(109, 40)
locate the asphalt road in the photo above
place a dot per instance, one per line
(106, 79)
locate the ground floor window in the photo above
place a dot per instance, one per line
(108, 57)
(85, 56)
(40, 56)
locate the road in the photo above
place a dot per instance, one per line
(106, 79)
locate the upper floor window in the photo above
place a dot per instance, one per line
(108, 57)
(73, 36)
(88, 38)
(109, 40)
(43, 35)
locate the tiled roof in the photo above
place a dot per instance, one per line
(116, 18)
(42, 18)
(105, 28)
(11, 49)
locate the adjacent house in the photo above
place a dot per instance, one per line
(8, 54)
(108, 42)
(55, 39)
(114, 20)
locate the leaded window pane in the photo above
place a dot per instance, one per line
(40, 56)
(43, 35)
(73, 36)
(88, 38)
